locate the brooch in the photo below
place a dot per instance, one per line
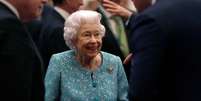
(110, 69)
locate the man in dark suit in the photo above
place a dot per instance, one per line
(51, 37)
(20, 61)
(166, 39)
(35, 25)
(34, 28)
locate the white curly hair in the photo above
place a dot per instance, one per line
(75, 20)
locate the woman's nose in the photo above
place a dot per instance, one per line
(93, 38)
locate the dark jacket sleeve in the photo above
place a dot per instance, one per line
(147, 49)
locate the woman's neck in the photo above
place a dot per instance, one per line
(91, 63)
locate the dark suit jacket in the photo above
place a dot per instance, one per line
(51, 36)
(129, 28)
(20, 61)
(34, 28)
(166, 42)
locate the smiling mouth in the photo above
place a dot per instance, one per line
(92, 49)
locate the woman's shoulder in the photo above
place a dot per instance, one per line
(64, 59)
(63, 55)
(109, 57)
(109, 54)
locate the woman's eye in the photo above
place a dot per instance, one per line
(97, 34)
(86, 34)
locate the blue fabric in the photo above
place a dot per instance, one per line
(67, 80)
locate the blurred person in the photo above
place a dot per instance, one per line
(140, 7)
(85, 73)
(93, 4)
(51, 37)
(128, 4)
(121, 11)
(116, 38)
(114, 26)
(166, 45)
(50, 2)
(20, 61)
(143, 4)
(118, 9)
(90, 5)
(34, 28)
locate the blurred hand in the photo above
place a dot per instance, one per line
(127, 60)
(90, 5)
(116, 9)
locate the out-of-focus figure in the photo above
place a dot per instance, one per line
(20, 61)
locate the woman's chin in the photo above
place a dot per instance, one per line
(92, 54)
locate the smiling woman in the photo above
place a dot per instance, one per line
(85, 73)
(89, 42)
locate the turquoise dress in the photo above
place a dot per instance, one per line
(67, 80)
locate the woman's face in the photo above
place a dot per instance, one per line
(89, 40)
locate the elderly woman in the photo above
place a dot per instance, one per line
(85, 73)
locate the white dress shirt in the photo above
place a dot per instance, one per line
(62, 12)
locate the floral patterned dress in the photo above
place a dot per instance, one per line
(67, 80)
